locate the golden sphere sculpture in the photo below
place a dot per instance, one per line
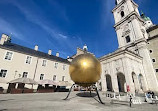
(85, 70)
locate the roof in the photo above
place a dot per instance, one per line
(73, 56)
(143, 16)
(152, 28)
(32, 52)
(118, 52)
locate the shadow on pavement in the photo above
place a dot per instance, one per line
(6, 100)
(86, 94)
(3, 109)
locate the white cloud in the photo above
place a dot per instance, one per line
(63, 40)
(63, 36)
(39, 20)
(8, 28)
(58, 39)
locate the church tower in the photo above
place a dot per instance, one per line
(131, 27)
(148, 23)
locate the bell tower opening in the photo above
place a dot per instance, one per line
(128, 40)
(122, 14)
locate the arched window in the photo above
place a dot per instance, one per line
(122, 14)
(128, 39)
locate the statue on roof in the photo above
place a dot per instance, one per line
(85, 48)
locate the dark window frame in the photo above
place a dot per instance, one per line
(25, 74)
(3, 74)
(41, 76)
(122, 14)
(8, 55)
(154, 60)
(150, 51)
(63, 78)
(128, 39)
(54, 78)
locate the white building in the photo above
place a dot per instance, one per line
(130, 67)
(18, 61)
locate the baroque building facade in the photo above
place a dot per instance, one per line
(129, 68)
(133, 67)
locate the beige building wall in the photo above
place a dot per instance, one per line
(154, 32)
(17, 65)
(153, 46)
(153, 49)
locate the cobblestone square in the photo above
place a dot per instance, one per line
(55, 102)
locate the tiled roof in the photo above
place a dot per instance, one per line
(32, 52)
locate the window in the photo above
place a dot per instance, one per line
(41, 76)
(44, 62)
(54, 77)
(156, 70)
(150, 51)
(63, 77)
(128, 39)
(25, 74)
(8, 55)
(56, 65)
(153, 60)
(28, 60)
(64, 67)
(3, 73)
(122, 14)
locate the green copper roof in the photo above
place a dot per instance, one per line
(143, 16)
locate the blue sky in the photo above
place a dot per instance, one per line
(64, 25)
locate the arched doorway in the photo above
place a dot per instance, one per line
(141, 81)
(108, 82)
(135, 81)
(121, 82)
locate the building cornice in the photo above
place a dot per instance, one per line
(117, 53)
(35, 55)
(133, 15)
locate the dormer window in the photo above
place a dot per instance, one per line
(122, 14)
